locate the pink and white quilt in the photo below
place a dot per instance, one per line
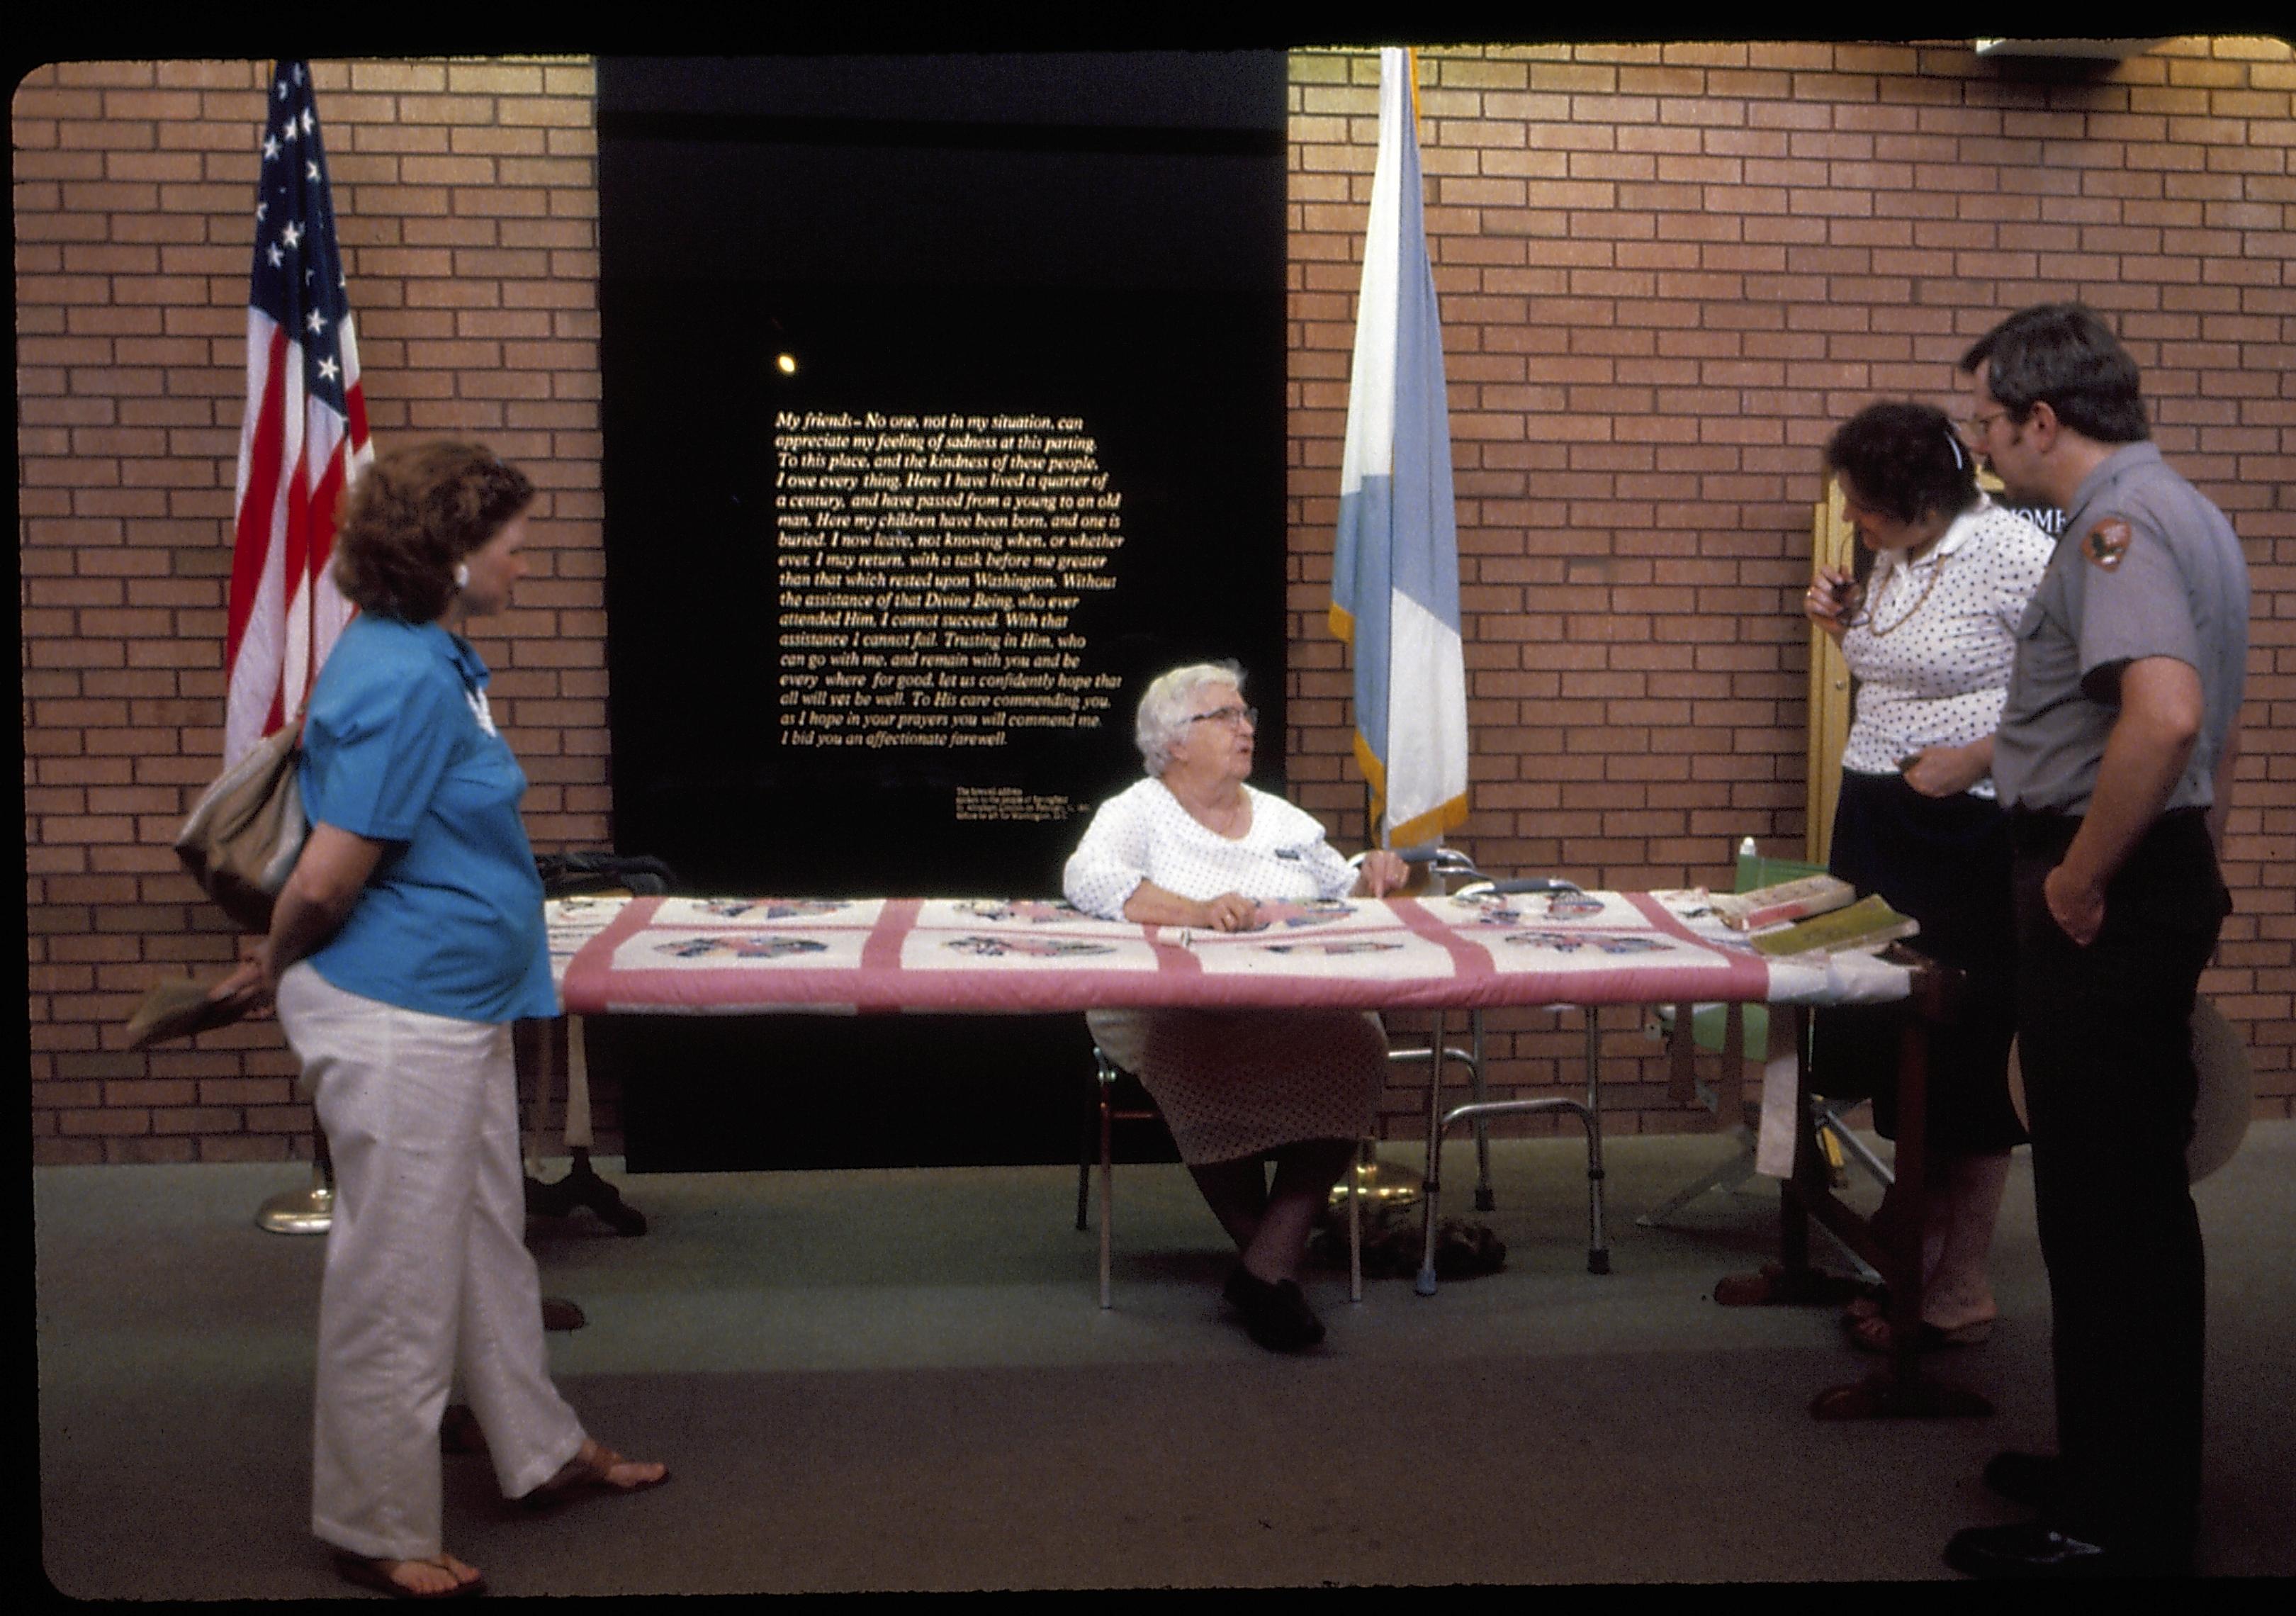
(989, 956)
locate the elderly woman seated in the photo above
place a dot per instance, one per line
(1193, 846)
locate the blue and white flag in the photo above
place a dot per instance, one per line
(1395, 573)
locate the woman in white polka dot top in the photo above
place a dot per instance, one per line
(1930, 637)
(1193, 846)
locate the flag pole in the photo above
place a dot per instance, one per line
(1395, 572)
(303, 442)
(305, 1212)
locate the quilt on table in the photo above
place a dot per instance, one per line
(742, 955)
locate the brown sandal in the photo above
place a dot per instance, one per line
(1876, 1335)
(592, 1470)
(370, 1573)
(1872, 1303)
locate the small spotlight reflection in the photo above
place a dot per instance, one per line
(786, 364)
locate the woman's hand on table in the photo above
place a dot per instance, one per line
(1151, 905)
(1381, 872)
(1229, 911)
(1831, 599)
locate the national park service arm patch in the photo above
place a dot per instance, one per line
(2106, 543)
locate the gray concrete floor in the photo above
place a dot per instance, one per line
(883, 1379)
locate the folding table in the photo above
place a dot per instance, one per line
(736, 956)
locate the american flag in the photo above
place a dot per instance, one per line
(304, 439)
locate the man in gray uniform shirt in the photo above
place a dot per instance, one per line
(2114, 758)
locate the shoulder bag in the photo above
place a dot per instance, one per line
(247, 829)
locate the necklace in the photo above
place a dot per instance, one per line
(1873, 623)
(1228, 820)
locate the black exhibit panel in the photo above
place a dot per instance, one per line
(943, 408)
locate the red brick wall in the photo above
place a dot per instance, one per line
(467, 203)
(1665, 270)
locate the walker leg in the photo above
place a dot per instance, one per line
(1424, 1284)
(1598, 1251)
(1484, 1200)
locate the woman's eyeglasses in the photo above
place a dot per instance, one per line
(1229, 716)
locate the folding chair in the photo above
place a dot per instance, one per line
(1113, 1102)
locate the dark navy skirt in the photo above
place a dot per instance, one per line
(1945, 861)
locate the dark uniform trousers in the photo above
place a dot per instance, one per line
(2104, 1044)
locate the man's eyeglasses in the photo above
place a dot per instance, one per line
(1229, 716)
(1976, 426)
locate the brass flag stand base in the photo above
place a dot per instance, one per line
(309, 1211)
(1383, 1185)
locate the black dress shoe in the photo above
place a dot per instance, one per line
(2033, 1552)
(2034, 1480)
(1276, 1315)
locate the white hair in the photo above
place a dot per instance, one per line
(1164, 713)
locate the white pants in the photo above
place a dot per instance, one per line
(428, 1274)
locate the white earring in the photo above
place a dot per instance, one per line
(462, 575)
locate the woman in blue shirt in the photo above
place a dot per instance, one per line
(405, 942)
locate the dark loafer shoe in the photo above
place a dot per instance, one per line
(2034, 1480)
(2032, 1551)
(1276, 1315)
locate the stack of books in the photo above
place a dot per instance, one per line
(1767, 907)
(1815, 915)
(1861, 927)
